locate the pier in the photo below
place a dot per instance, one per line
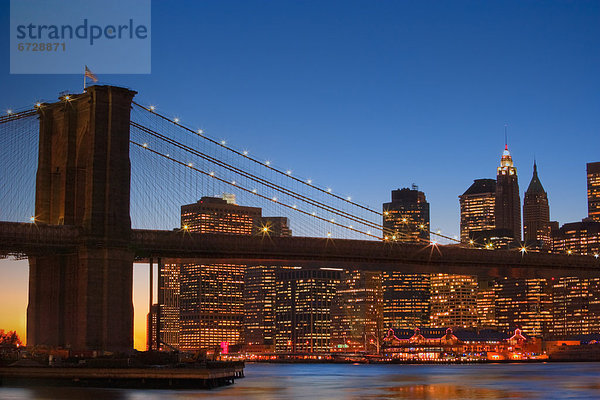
(159, 377)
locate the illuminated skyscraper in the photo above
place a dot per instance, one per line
(576, 307)
(405, 300)
(525, 304)
(593, 190)
(407, 216)
(303, 309)
(477, 208)
(508, 203)
(536, 214)
(453, 301)
(577, 238)
(357, 312)
(259, 307)
(151, 319)
(168, 298)
(217, 215)
(486, 306)
(576, 301)
(212, 307)
(259, 292)
(406, 296)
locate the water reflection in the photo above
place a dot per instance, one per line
(434, 392)
(330, 381)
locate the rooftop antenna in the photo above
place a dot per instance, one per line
(505, 137)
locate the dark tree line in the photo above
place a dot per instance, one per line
(9, 338)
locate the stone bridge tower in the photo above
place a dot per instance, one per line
(84, 300)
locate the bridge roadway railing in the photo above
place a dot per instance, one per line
(375, 255)
(38, 239)
(18, 238)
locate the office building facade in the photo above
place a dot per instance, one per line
(406, 217)
(453, 301)
(211, 295)
(406, 299)
(508, 202)
(525, 304)
(486, 305)
(593, 190)
(477, 209)
(259, 307)
(575, 307)
(357, 312)
(168, 299)
(577, 238)
(303, 309)
(536, 215)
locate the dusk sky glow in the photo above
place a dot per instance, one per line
(367, 97)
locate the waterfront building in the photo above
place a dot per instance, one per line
(486, 305)
(577, 238)
(259, 292)
(477, 207)
(536, 215)
(576, 307)
(525, 304)
(405, 300)
(259, 307)
(593, 190)
(168, 298)
(459, 345)
(406, 217)
(303, 309)
(357, 312)
(211, 295)
(212, 307)
(508, 203)
(453, 301)
(576, 301)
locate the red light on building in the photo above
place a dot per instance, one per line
(224, 347)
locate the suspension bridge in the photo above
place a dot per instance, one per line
(95, 181)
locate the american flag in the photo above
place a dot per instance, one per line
(89, 74)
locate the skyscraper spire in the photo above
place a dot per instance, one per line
(505, 137)
(535, 186)
(536, 214)
(507, 201)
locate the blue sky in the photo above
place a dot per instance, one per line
(367, 97)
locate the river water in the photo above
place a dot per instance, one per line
(347, 381)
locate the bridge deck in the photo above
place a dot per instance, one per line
(182, 246)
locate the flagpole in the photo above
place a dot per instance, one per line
(84, 79)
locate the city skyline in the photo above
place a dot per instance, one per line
(473, 125)
(385, 91)
(140, 277)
